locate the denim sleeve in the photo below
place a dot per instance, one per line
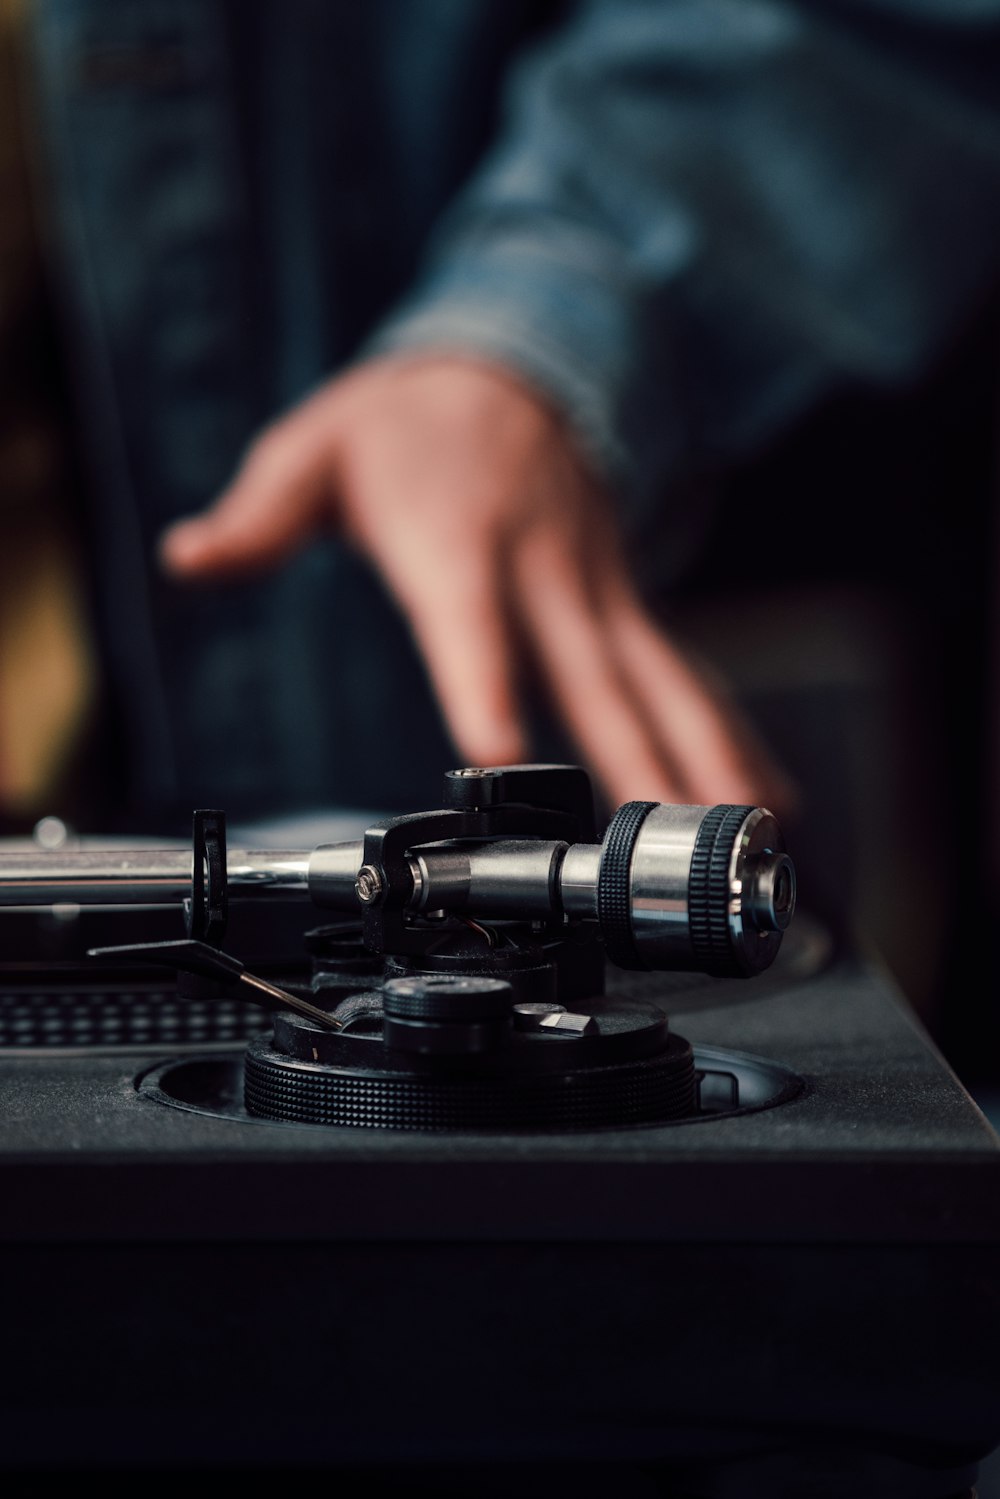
(701, 217)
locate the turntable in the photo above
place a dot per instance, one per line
(475, 1151)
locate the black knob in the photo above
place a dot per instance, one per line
(440, 1013)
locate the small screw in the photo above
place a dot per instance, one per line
(368, 885)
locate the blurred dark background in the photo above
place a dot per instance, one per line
(847, 589)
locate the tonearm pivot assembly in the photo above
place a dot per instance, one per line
(462, 983)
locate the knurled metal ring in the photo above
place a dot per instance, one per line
(614, 902)
(708, 890)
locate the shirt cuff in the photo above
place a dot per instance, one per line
(560, 314)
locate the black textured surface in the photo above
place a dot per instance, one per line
(614, 905)
(640, 1092)
(802, 1300)
(61, 1015)
(884, 1143)
(708, 890)
(435, 996)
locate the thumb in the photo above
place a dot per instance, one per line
(282, 492)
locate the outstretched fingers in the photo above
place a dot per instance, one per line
(282, 493)
(718, 754)
(648, 723)
(457, 610)
(577, 656)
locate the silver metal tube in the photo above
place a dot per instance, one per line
(145, 877)
(660, 880)
(262, 872)
(440, 879)
(516, 877)
(333, 869)
(581, 868)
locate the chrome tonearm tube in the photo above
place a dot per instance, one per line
(669, 887)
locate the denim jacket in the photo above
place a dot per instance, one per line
(687, 221)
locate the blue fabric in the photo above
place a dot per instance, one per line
(687, 221)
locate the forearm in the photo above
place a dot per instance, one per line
(702, 218)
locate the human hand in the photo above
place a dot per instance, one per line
(465, 490)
